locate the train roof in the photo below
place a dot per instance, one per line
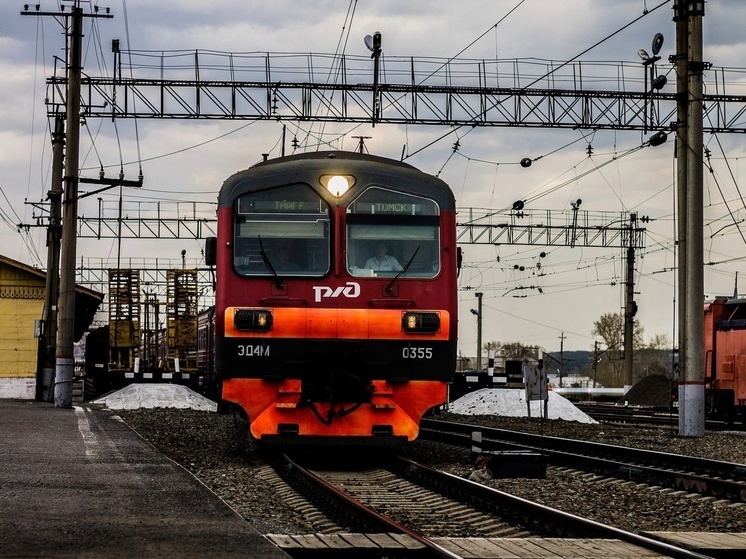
(368, 169)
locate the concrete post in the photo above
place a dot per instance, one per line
(692, 386)
(63, 389)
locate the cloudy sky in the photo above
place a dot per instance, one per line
(528, 298)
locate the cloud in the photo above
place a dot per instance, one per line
(189, 159)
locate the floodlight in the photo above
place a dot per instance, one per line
(657, 43)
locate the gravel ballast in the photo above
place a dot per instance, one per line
(216, 449)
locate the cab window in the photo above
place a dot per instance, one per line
(282, 231)
(390, 233)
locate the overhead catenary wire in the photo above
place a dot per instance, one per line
(27, 239)
(709, 167)
(25, 236)
(129, 42)
(341, 47)
(544, 76)
(472, 43)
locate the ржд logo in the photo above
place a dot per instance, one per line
(351, 290)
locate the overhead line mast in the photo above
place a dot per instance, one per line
(692, 385)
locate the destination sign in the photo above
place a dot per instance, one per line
(395, 208)
(250, 205)
(382, 201)
(386, 208)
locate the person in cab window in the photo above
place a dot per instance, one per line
(382, 262)
(284, 264)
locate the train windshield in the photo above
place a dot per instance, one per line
(282, 231)
(390, 233)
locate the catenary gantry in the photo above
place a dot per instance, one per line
(316, 87)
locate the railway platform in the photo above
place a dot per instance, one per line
(80, 483)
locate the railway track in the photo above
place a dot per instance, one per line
(429, 512)
(644, 416)
(723, 480)
(295, 519)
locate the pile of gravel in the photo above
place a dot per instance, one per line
(653, 390)
(215, 449)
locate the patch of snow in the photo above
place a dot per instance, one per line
(511, 402)
(136, 396)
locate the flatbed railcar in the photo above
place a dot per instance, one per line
(314, 344)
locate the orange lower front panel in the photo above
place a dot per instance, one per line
(270, 404)
(344, 324)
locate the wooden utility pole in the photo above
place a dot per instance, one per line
(48, 339)
(64, 303)
(65, 362)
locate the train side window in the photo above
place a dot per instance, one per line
(283, 231)
(406, 224)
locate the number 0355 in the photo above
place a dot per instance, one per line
(417, 353)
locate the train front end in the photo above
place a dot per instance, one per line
(322, 335)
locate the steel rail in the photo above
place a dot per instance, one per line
(710, 477)
(581, 527)
(356, 509)
(652, 416)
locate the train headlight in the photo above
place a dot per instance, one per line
(420, 322)
(255, 320)
(337, 185)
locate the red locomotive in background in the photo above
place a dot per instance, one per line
(335, 306)
(725, 358)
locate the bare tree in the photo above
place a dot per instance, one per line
(610, 327)
(512, 350)
(494, 345)
(659, 342)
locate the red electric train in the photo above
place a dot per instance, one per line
(336, 297)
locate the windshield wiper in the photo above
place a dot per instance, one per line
(404, 269)
(267, 263)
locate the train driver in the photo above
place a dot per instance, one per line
(284, 264)
(383, 262)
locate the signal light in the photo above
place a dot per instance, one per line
(420, 322)
(254, 320)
